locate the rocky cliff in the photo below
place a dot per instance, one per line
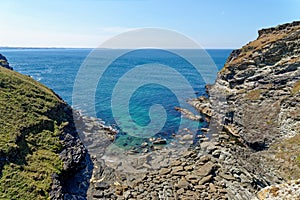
(261, 83)
(251, 150)
(41, 156)
(4, 62)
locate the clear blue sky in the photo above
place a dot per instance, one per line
(87, 23)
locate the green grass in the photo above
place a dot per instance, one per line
(30, 125)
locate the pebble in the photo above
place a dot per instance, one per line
(144, 144)
(101, 185)
(224, 137)
(159, 141)
(187, 137)
(216, 153)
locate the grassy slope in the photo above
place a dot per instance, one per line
(29, 137)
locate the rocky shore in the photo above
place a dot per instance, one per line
(261, 84)
(256, 147)
(205, 171)
(250, 149)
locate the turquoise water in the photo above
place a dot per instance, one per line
(57, 69)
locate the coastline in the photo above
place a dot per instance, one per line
(254, 154)
(228, 165)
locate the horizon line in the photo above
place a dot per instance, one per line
(53, 47)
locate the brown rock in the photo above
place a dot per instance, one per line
(212, 188)
(188, 153)
(191, 177)
(177, 169)
(164, 171)
(227, 177)
(119, 190)
(188, 168)
(183, 184)
(175, 163)
(204, 159)
(182, 173)
(180, 191)
(205, 179)
(200, 187)
(205, 169)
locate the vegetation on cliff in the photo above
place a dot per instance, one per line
(33, 126)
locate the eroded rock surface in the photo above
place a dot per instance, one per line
(261, 83)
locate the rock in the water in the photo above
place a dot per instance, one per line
(159, 141)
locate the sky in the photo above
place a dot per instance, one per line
(88, 23)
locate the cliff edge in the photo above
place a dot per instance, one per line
(41, 156)
(261, 83)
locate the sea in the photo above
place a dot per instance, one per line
(123, 94)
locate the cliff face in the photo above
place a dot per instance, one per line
(41, 155)
(262, 82)
(260, 86)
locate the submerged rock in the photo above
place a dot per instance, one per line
(159, 141)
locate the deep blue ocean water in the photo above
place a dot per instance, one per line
(58, 68)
